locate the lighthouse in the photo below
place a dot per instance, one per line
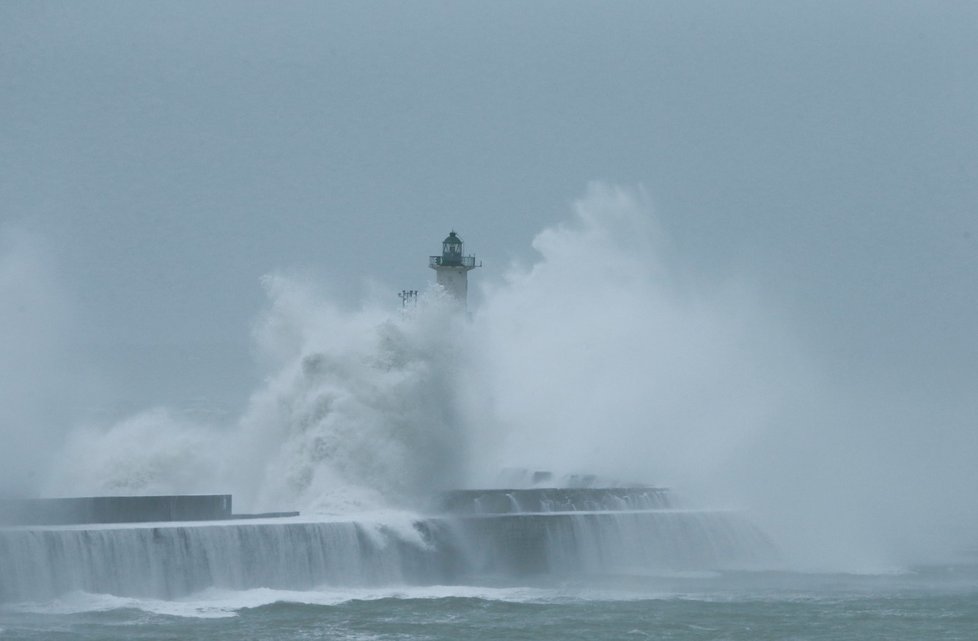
(452, 268)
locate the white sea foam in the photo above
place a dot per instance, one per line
(82, 602)
(677, 586)
(218, 603)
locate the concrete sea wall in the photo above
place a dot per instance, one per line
(114, 509)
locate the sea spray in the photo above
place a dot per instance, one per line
(358, 414)
(608, 356)
(605, 356)
(152, 452)
(598, 358)
(362, 413)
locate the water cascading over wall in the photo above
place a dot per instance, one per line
(175, 560)
(473, 543)
(587, 531)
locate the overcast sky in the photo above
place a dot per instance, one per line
(156, 159)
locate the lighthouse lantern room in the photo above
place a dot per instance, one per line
(452, 267)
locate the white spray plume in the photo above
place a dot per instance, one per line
(153, 452)
(361, 411)
(601, 359)
(608, 355)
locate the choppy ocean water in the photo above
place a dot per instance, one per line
(926, 603)
(526, 567)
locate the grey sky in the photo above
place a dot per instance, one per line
(166, 155)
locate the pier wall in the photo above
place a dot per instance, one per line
(114, 509)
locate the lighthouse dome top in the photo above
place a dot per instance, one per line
(452, 239)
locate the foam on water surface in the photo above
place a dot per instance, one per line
(217, 603)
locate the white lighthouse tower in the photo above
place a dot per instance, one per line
(452, 268)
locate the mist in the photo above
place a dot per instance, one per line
(612, 352)
(41, 383)
(206, 209)
(609, 354)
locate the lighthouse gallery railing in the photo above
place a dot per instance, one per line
(442, 261)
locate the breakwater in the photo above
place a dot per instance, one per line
(115, 509)
(169, 561)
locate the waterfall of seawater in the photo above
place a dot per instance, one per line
(593, 531)
(168, 561)
(175, 560)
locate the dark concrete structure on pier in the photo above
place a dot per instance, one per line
(115, 509)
